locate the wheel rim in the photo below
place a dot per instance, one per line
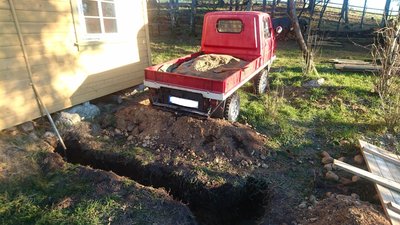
(235, 108)
(263, 82)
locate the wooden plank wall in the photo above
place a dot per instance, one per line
(67, 70)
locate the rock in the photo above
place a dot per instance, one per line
(27, 126)
(342, 159)
(263, 157)
(33, 136)
(303, 205)
(358, 159)
(345, 181)
(328, 194)
(50, 138)
(265, 166)
(129, 138)
(314, 83)
(68, 119)
(355, 196)
(328, 167)
(313, 200)
(312, 220)
(355, 178)
(327, 160)
(331, 176)
(117, 131)
(325, 154)
(86, 111)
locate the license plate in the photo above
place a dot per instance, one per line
(184, 102)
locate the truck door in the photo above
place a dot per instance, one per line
(267, 45)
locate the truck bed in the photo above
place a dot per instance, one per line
(216, 85)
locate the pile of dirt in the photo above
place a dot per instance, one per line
(211, 65)
(203, 142)
(342, 209)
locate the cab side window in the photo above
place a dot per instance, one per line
(267, 32)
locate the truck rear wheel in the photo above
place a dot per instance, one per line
(232, 107)
(261, 82)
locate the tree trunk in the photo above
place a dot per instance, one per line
(221, 3)
(249, 5)
(236, 5)
(307, 54)
(193, 10)
(273, 8)
(385, 13)
(321, 14)
(230, 5)
(363, 14)
(264, 8)
(344, 13)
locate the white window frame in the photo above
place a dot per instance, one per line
(87, 37)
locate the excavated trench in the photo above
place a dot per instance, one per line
(230, 203)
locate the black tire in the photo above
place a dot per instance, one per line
(232, 107)
(261, 82)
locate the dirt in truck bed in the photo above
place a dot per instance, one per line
(213, 66)
(190, 169)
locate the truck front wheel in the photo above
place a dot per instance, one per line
(232, 107)
(261, 82)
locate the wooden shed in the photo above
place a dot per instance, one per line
(72, 51)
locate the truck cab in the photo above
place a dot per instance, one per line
(246, 37)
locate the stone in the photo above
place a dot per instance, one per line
(345, 181)
(313, 200)
(328, 167)
(325, 154)
(327, 160)
(358, 159)
(328, 194)
(303, 205)
(50, 138)
(68, 119)
(265, 166)
(355, 196)
(331, 176)
(312, 220)
(86, 111)
(355, 178)
(342, 159)
(130, 137)
(33, 136)
(314, 83)
(27, 126)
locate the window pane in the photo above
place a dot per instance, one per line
(93, 25)
(110, 25)
(229, 26)
(108, 9)
(90, 8)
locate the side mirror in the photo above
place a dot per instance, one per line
(278, 29)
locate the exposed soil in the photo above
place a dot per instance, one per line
(341, 209)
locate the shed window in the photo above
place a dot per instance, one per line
(229, 26)
(99, 16)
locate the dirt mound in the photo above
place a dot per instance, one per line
(211, 65)
(342, 209)
(207, 139)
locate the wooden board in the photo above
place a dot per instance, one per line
(357, 67)
(350, 61)
(387, 169)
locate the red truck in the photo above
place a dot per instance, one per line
(236, 47)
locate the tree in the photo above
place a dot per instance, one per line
(321, 14)
(193, 10)
(363, 14)
(385, 13)
(306, 51)
(273, 8)
(344, 14)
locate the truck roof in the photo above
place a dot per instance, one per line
(254, 13)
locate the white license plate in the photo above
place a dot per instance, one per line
(183, 102)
